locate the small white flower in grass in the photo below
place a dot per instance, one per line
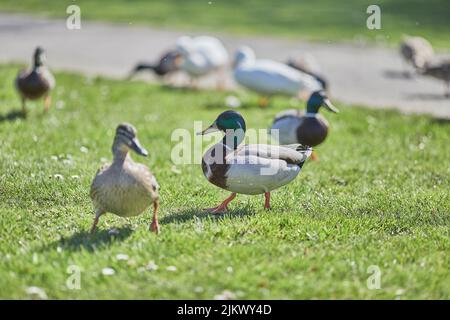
(60, 104)
(171, 268)
(229, 269)
(58, 176)
(198, 290)
(151, 266)
(75, 177)
(108, 271)
(225, 295)
(84, 149)
(232, 102)
(55, 158)
(122, 257)
(37, 293)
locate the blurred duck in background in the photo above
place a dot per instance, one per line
(440, 71)
(270, 78)
(309, 65)
(167, 64)
(36, 82)
(201, 56)
(310, 128)
(416, 51)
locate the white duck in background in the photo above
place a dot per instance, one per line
(269, 78)
(202, 55)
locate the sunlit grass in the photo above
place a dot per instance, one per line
(378, 196)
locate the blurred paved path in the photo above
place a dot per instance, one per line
(357, 74)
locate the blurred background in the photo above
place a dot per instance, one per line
(324, 20)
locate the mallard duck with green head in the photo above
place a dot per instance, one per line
(125, 188)
(308, 128)
(248, 168)
(37, 82)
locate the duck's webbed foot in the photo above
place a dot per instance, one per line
(223, 206)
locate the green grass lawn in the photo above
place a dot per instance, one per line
(378, 196)
(326, 20)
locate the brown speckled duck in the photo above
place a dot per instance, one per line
(309, 128)
(35, 83)
(125, 188)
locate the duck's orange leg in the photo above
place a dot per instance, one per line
(223, 206)
(97, 217)
(263, 102)
(267, 203)
(154, 227)
(47, 102)
(314, 156)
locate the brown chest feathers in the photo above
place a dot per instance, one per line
(312, 131)
(215, 172)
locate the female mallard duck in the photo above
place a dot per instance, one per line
(248, 169)
(201, 56)
(270, 78)
(35, 83)
(309, 128)
(125, 188)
